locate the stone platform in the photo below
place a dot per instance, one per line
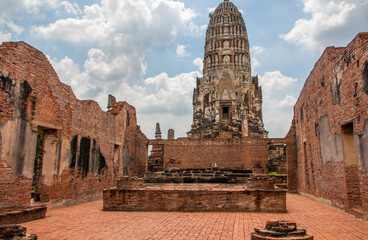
(21, 215)
(186, 197)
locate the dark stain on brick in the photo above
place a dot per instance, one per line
(7, 84)
(73, 150)
(365, 76)
(335, 90)
(25, 90)
(84, 149)
(20, 143)
(127, 119)
(58, 156)
(102, 164)
(127, 160)
(347, 59)
(302, 113)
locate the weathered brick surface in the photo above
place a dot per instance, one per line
(21, 215)
(331, 164)
(71, 223)
(232, 153)
(291, 159)
(107, 143)
(194, 197)
(14, 191)
(244, 153)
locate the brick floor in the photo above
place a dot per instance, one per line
(88, 221)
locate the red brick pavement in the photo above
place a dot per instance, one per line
(88, 221)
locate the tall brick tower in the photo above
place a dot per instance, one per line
(227, 101)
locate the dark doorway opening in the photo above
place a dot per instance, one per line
(37, 169)
(225, 113)
(351, 166)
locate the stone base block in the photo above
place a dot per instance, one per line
(194, 200)
(21, 215)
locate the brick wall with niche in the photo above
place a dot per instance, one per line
(331, 128)
(79, 148)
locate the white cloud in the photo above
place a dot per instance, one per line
(123, 32)
(287, 102)
(32, 5)
(211, 9)
(277, 105)
(70, 8)
(196, 30)
(332, 22)
(255, 63)
(11, 11)
(74, 30)
(257, 50)
(123, 22)
(67, 70)
(199, 63)
(14, 27)
(181, 50)
(4, 37)
(271, 81)
(163, 93)
(9, 8)
(163, 99)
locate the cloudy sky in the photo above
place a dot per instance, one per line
(149, 52)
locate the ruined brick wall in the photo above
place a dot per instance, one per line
(84, 148)
(194, 200)
(246, 153)
(331, 124)
(291, 159)
(277, 158)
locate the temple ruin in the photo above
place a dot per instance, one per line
(223, 164)
(56, 148)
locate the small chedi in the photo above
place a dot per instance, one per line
(280, 230)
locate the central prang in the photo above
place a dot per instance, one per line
(227, 101)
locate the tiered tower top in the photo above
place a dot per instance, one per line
(227, 101)
(226, 39)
